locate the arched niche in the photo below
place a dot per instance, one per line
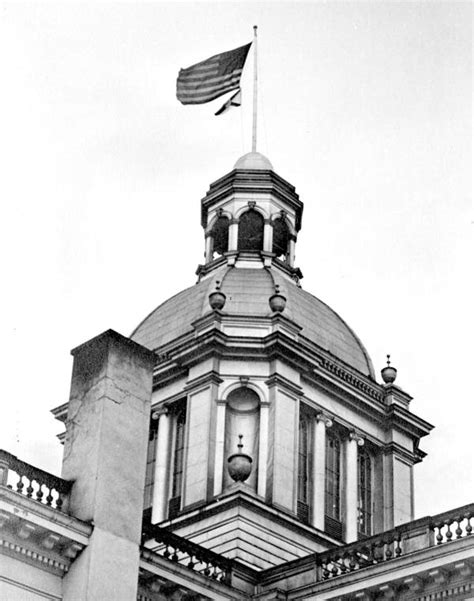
(250, 231)
(220, 235)
(281, 238)
(242, 417)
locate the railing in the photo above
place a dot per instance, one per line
(413, 536)
(442, 524)
(188, 554)
(33, 482)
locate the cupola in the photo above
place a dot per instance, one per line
(251, 218)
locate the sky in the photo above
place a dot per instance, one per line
(364, 106)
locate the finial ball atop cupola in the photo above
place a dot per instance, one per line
(253, 161)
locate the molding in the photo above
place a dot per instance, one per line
(332, 367)
(393, 448)
(45, 562)
(203, 381)
(279, 380)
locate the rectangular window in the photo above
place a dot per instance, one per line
(333, 478)
(178, 461)
(364, 469)
(150, 465)
(303, 468)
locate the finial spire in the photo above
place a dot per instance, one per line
(255, 77)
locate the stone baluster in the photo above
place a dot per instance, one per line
(319, 469)
(160, 489)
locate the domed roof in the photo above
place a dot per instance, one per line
(247, 292)
(253, 160)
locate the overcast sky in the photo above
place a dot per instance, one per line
(364, 107)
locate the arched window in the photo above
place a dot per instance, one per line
(178, 462)
(364, 469)
(281, 237)
(250, 231)
(333, 478)
(303, 467)
(242, 417)
(220, 235)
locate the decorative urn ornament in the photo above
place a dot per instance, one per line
(277, 301)
(239, 464)
(217, 298)
(389, 373)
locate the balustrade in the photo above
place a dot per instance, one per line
(33, 482)
(443, 524)
(188, 554)
(413, 536)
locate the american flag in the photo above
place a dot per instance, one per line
(211, 78)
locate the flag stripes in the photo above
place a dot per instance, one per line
(211, 78)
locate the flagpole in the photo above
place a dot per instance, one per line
(254, 121)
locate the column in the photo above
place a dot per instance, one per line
(319, 469)
(208, 252)
(351, 485)
(220, 461)
(291, 250)
(267, 236)
(160, 488)
(263, 449)
(233, 234)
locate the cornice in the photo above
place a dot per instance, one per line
(31, 556)
(303, 354)
(393, 448)
(279, 380)
(371, 390)
(255, 182)
(315, 365)
(202, 381)
(397, 415)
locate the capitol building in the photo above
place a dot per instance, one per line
(237, 445)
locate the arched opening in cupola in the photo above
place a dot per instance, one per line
(250, 231)
(281, 238)
(220, 236)
(242, 418)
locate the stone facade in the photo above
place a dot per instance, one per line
(245, 366)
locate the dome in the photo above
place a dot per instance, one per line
(247, 292)
(253, 160)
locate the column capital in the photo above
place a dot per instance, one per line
(157, 413)
(325, 419)
(353, 435)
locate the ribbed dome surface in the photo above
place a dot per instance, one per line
(247, 292)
